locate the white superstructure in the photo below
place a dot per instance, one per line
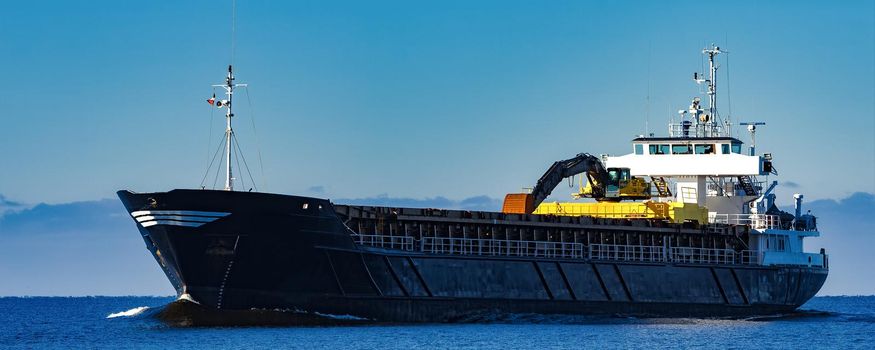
(701, 163)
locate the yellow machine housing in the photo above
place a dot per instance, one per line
(635, 188)
(672, 211)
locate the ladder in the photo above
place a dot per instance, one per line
(747, 185)
(661, 186)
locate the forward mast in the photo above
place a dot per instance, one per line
(229, 86)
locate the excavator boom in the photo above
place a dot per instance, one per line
(525, 203)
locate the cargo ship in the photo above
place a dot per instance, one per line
(683, 226)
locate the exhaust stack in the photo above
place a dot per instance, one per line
(798, 204)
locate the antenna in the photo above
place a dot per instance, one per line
(647, 104)
(728, 121)
(229, 140)
(233, 29)
(229, 86)
(752, 128)
(711, 118)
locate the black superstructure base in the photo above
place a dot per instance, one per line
(290, 253)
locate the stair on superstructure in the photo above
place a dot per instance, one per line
(747, 185)
(661, 186)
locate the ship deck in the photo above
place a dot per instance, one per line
(480, 233)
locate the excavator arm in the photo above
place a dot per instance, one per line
(525, 203)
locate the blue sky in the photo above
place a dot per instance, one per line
(451, 102)
(450, 99)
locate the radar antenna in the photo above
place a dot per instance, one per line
(752, 128)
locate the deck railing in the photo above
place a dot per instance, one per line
(388, 242)
(751, 257)
(474, 246)
(627, 252)
(686, 255)
(757, 221)
(564, 250)
(702, 255)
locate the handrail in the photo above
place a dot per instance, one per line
(382, 241)
(688, 255)
(751, 257)
(757, 221)
(702, 255)
(627, 252)
(680, 130)
(565, 250)
(475, 246)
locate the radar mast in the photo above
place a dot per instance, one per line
(705, 122)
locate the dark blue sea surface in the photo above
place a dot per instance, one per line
(127, 323)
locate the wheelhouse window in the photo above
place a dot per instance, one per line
(681, 149)
(639, 149)
(704, 149)
(736, 148)
(724, 148)
(658, 149)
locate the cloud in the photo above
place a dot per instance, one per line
(385, 200)
(80, 248)
(316, 189)
(790, 184)
(67, 218)
(857, 206)
(481, 203)
(6, 202)
(847, 232)
(8, 205)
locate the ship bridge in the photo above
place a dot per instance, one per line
(690, 156)
(707, 171)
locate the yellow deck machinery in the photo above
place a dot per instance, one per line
(609, 187)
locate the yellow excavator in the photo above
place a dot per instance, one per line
(604, 185)
(608, 187)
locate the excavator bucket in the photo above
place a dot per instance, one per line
(518, 203)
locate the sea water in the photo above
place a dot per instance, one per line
(128, 323)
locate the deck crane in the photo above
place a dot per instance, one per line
(611, 184)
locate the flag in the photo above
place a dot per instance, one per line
(212, 100)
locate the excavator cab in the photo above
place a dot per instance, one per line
(617, 178)
(620, 185)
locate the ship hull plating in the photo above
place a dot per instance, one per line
(234, 251)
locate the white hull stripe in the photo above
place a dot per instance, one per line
(148, 218)
(171, 223)
(180, 212)
(174, 217)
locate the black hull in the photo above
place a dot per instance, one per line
(274, 252)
